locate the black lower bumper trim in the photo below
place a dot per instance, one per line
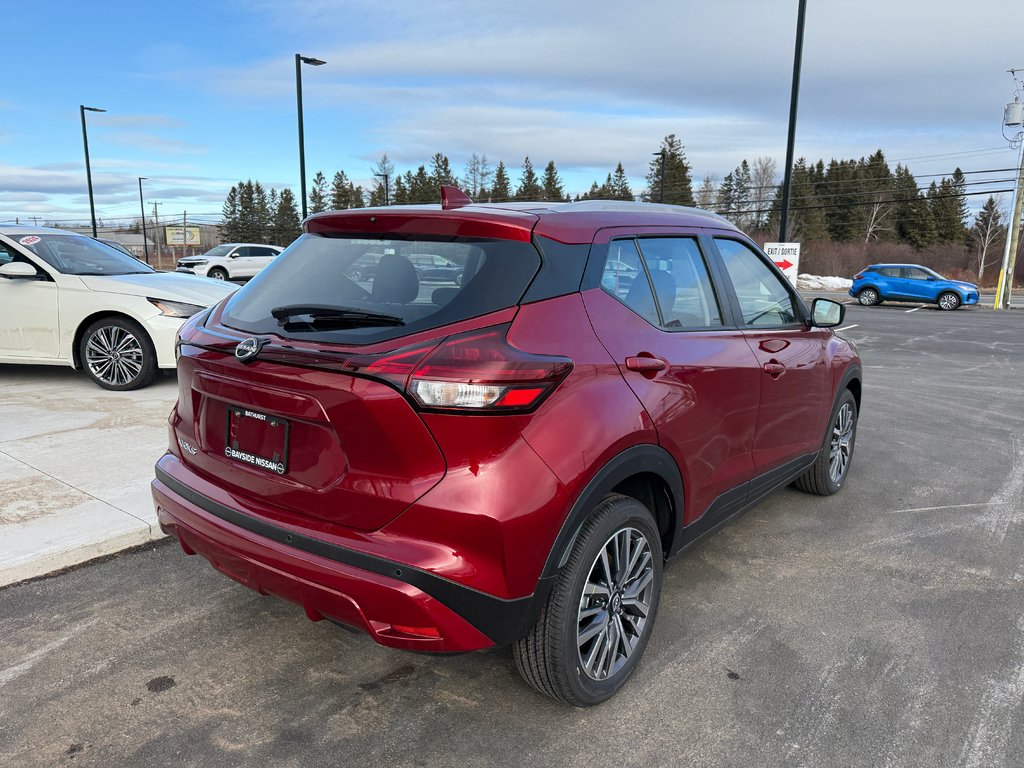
(502, 620)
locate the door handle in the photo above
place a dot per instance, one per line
(774, 369)
(646, 364)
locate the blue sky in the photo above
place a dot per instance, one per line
(201, 94)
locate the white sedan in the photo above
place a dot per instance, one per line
(66, 299)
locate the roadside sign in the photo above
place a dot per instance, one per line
(786, 257)
(174, 235)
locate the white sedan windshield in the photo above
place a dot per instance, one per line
(79, 255)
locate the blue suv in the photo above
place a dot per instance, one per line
(910, 282)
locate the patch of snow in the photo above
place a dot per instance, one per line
(819, 283)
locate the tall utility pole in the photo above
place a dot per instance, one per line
(387, 192)
(156, 223)
(142, 205)
(1013, 117)
(793, 98)
(299, 61)
(88, 169)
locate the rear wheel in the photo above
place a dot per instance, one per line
(827, 474)
(868, 297)
(949, 301)
(217, 274)
(599, 616)
(117, 354)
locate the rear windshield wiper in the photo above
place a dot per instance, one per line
(326, 317)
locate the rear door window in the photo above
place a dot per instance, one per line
(318, 270)
(681, 282)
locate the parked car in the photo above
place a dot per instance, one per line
(116, 246)
(434, 268)
(230, 261)
(70, 300)
(911, 282)
(364, 268)
(509, 461)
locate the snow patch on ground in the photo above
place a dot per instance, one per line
(819, 283)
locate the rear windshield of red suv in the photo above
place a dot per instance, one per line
(381, 277)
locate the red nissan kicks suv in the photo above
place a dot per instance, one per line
(511, 457)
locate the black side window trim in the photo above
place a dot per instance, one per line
(798, 302)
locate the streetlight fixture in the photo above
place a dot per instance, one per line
(88, 169)
(142, 207)
(299, 61)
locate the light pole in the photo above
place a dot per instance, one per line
(1013, 117)
(142, 207)
(88, 170)
(387, 194)
(661, 191)
(787, 180)
(299, 61)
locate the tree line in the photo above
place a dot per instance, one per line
(860, 207)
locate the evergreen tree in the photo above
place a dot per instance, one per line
(344, 194)
(913, 218)
(357, 196)
(678, 185)
(318, 193)
(285, 224)
(400, 190)
(263, 214)
(501, 191)
(843, 214)
(725, 201)
(593, 194)
(229, 225)
(247, 224)
(944, 204)
(806, 216)
(552, 185)
(529, 185)
(619, 184)
(742, 215)
(440, 175)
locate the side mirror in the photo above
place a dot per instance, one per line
(18, 270)
(826, 313)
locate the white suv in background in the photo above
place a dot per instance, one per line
(230, 261)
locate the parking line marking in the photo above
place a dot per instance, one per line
(915, 309)
(848, 327)
(956, 506)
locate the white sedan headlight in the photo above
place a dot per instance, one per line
(176, 308)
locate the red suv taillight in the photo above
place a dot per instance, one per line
(475, 371)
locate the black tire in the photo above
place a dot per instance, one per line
(550, 657)
(868, 297)
(117, 354)
(948, 301)
(217, 274)
(820, 479)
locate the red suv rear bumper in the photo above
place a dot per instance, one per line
(393, 612)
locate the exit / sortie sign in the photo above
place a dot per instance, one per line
(786, 257)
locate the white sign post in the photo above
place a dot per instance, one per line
(786, 257)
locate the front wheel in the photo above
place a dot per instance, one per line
(117, 354)
(217, 274)
(595, 625)
(828, 472)
(949, 301)
(868, 297)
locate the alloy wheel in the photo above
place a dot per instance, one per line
(114, 355)
(948, 301)
(841, 445)
(867, 297)
(615, 604)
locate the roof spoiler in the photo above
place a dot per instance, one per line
(453, 197)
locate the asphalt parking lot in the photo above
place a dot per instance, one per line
(881, 626)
